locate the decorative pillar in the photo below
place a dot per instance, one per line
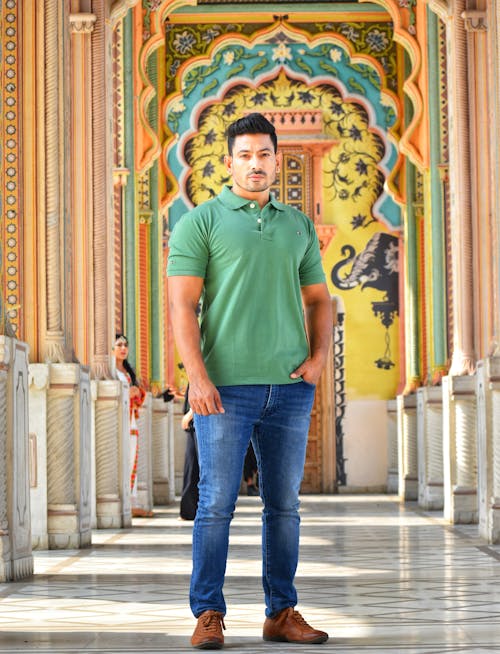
(463, 357)
(485, 242)
(493, 75)
(101, 310)
(430, 447)
(38, 387)
(412, 330)
(68, 456)
(144, 499)
(16, 559)
(112, 455)
(436, 219)
(488, 414)
(459, 450)
(81, 26)
(392, 447)
(407, 447)
(54, 346)
(162, 482)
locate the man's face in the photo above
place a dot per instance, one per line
(253, 164)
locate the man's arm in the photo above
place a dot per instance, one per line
(318, 314)
(184, 294)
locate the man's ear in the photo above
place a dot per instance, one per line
(279, 161)
(228, 162)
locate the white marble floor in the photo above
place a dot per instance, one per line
(379, 576)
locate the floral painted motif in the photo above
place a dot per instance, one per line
(365, 38)
(281, 53)
(377, 40)
(335, 55)
(184, 42)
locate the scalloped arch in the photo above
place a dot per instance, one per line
(313, 41)
(403, 28)
(401, 18)
(119, 9)
(148, 91)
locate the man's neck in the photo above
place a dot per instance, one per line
(261, 198)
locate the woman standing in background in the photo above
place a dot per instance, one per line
(127, 374)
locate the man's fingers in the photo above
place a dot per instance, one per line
(297, 372)
(218, 403)
(207, 406)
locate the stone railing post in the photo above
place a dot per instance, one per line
(407, 447)
(38, 387)
(459, 449)
(112, 455)
(68, 456)
(144, 498)
(16, 558)
(430, 447)
(392, 447)
(488, 421)
(160, 434)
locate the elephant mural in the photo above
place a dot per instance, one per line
(376, 267)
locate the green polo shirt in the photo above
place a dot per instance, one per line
(254, 262)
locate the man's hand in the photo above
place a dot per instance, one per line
(310, 370)
(318, 312)
(204, 397)
(186, 419)
(184, 295)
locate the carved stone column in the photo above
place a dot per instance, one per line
(463, 359)
(54, 308)
(112, 455)
(144, 498)
(488, 414)
(38, 387)
(16, 559)
(81, 26)
(430, 447)
(160, 449)
(101, 308)
(460, 449)
(68, 456)
(407, 447)
(392, 447)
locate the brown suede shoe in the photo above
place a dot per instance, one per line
(208, 633)
(290, 627)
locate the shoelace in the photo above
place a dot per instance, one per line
(298, 618)
(211, 622)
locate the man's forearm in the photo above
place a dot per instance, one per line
(187, 338)
(319, 326)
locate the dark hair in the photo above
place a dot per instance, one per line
(126, 364)
(251, 124)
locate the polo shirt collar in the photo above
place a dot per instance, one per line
(233, 201)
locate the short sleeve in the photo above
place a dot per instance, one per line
(188, 247)
(311, 267)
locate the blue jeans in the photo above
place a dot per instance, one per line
(276, 419)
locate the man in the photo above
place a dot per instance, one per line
(252, 363)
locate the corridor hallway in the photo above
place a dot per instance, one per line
(379, 576)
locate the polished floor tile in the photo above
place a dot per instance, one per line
(379, 576)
